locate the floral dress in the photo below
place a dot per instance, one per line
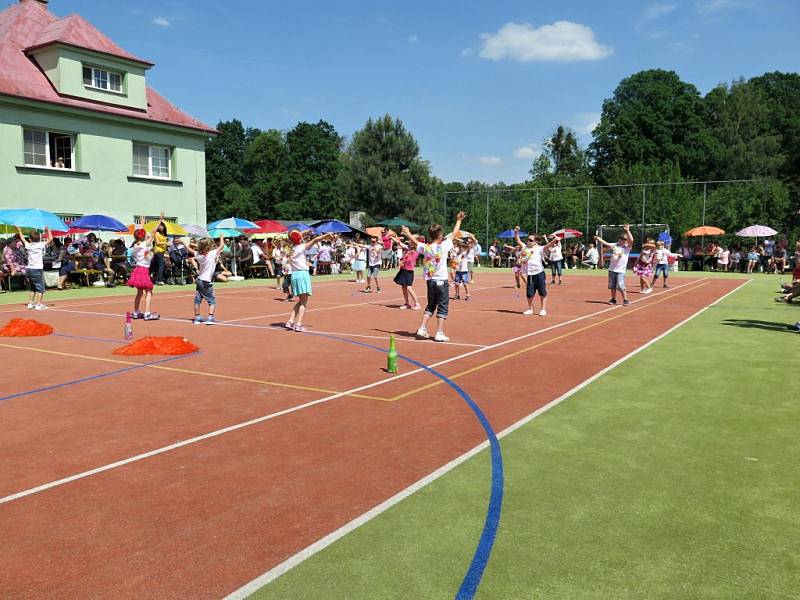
(14, 260)
(644, 264)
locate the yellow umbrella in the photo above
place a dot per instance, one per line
(172, 228)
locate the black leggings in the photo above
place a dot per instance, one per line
(158, 267)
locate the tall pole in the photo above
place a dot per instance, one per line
(536, 228)
(703, 237)
(586, 232)
(644, 203)
(444, 220)
(487, 220)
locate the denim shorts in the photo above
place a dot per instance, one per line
(438, 298)
(204, 290)
(616, 281)
(462, 277)
(36, 280)
(662, 269)
(374, 270)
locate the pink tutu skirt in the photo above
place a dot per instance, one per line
(140, 279)
(643, 270)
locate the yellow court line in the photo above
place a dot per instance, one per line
(623, 313)
(193, 372)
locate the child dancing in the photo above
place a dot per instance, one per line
(35, 270)
(405, 276)
(207, 254)
(643, 267)
(618, 264)
(531, 254)
(301, 280)
(434, 269)
(142, 256)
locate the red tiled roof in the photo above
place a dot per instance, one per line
(74, 30)
(27, 24)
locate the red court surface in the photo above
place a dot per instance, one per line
(237, 457)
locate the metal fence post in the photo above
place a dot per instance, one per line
(536, 228)
(586, 233)
(644, 203)
(487, 220)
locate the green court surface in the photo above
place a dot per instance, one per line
(675, 475)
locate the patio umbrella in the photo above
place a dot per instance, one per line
(704, 231)
(195, 231)
(172, 228)
(332, 226)
(228, 233)
(508, 234)
(398, 222)
(33, 218)
(301, 227)
(98, 223)
(567, 234)
(756, 231)
(233, 223)
(267, 226)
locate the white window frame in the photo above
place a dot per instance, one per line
(47, 135)
(96, 74)
(151, 150)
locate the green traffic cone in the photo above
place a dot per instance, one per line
(391, 361)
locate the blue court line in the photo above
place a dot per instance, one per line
(93, 377)
(473, 576)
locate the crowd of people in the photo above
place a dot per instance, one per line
(769, 256)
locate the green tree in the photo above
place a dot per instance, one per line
(312, 173)
(652, 117)
(265, 168)
(565, 153)
(386, 173)
(224, 161)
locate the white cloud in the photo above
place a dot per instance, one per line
(413, 38)
(652, 13)
(467, 52)
(563, 41)
(712, 6)
(162, 22)
(489, 161)
(526, 153)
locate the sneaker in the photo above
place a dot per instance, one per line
(198, 320)
(543, 313)
(441, 337)
(528, 312)
(612, 301)
(416, 307)
(466, 299)
(796, 326)
(41, 307)
(666, 286)
(30, 305)
(151, 316)
(553, 282)
(299, 328)
(625, 302)
(404, 307)
(378, 291)
(211, 320)
(422, 333)
(367, 290)
(289, 325)
(559, 283)
(136, 315)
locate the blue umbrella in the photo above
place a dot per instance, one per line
(508, 234)
(232, 223)
(228, 233)
(99, 223)
(301, 227)
(33, 218)
(332, 226)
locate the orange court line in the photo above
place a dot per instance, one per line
(539, 345)
(193, 372)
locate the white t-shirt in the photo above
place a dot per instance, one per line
(662, 256)
(257, 253)
(463, 262)
(362, 255)
(619, 258)
(555, 252)
(142, 255)
(375, 255)
(36, 254)
(207, 263)
(471, 255)
(435, 259)
(532, 260)
(592, 256)
(298, 261)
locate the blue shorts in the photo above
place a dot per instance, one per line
(204, 290)
(36, 280)
(536, 283)
(663, 269)
(462, 277)
(616, 281)
(373, 271)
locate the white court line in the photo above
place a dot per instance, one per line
(138, 457)
(309, 551)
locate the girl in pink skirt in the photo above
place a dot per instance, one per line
(643, 267)
(141, 256)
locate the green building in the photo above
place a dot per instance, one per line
(82, 133)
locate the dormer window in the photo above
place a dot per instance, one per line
(102, 79)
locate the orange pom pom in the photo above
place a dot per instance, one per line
(167, 346)
(25, 328)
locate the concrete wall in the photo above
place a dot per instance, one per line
(102, 182)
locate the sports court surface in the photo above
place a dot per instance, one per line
(194, 476)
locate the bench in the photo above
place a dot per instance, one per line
(87, 275)
(250, 270)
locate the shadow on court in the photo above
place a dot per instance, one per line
(755, 324)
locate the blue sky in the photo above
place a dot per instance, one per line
(480, 84)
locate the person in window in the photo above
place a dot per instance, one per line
(160, 242)
(59, 164)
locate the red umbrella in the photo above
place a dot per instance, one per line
(567, 234)
(267, 226)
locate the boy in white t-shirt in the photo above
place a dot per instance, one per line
(35, 271)
(618, 264)
(434, 270)
(531, 257)
(207, 255)
(462, 274)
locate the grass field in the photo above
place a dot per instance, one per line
(673, 475)
(676, 475)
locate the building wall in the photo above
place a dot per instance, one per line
(102, 182)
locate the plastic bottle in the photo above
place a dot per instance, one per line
(128, 326)
(391, 361)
